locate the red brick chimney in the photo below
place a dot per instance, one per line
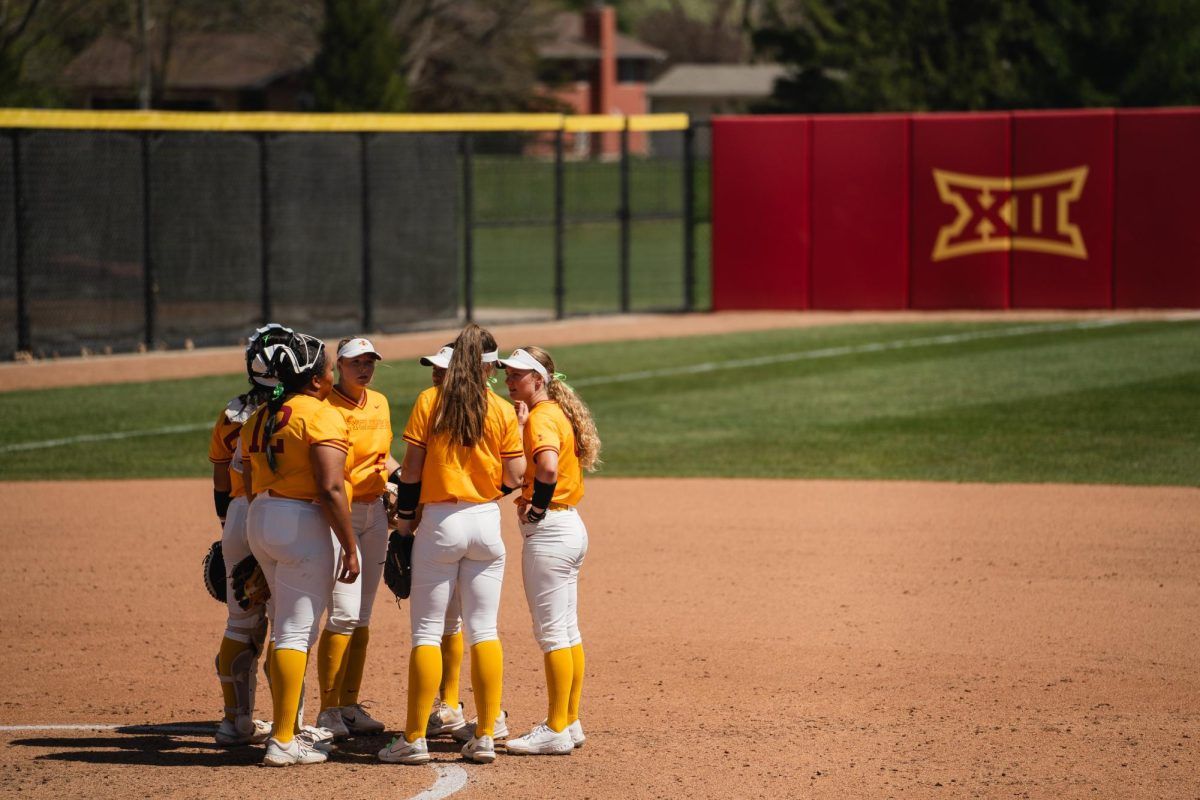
(600, 29)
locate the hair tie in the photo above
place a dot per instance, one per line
(561, 378)
(277, 392)
(493, 380)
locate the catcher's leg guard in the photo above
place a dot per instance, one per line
(243, 668)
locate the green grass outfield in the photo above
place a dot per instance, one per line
(1090, 402)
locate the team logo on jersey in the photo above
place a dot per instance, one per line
(1031, 212)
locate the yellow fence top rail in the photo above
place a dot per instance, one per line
(327, 123)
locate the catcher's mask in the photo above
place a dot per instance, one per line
(258, 363)
(296, 360)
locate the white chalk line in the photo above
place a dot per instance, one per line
(450, 777)
(691, 369)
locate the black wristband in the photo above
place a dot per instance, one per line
(395, 476)
(543, 493)
(221, 500)
(408, 495)
(535, 516)
(507, 490)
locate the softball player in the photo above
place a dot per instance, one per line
(463, 447)
(447, 715)
(296, 448)
(245, 631)
(342, 651)
(560, 441)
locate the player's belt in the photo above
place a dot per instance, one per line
(283, 496)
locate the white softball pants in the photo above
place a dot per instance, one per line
(290, 539)
(240, 626)
(458, 549)
(350, 604)
(552, 555)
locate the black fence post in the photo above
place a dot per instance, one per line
(264, 226)
(560, 224)
(468, 147)
(625, 213)
(24, 341)
(689, 218)
(149, 287)
(368, 317)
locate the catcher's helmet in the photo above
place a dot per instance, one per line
(258, 362)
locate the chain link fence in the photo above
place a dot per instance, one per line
(122, 239)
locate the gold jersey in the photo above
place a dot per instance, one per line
(223, 449)
(301, 423)
(456, 473)
(548, 428)
(369, 423)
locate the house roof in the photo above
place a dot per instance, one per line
(197, 61)
(716, 80)
(565, 40)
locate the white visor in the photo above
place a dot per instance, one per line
(522, 360)
(440, 359)
(357, 347)
(492, 357)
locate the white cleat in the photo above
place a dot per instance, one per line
(443, 719)
(297, 751)
(480, 749)
(542, 741)
(331, 719)
(359, 722)
(317, 738)
(242, 731)
(576, 731)
(499, 730)
(401, 751)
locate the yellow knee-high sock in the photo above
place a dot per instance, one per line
(424, 670)
(356, 659)
(331, 666)
(230, 648)
(560, 672)
(287, 683)
(487, 679)
(452, 655)
(576, 683)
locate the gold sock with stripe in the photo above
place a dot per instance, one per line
(287, 684)
(560, 672)
(356, 660)
(331, 666)
(230, 649)
(424, 672)
(452, 656)
(576, 683)
(487, 680)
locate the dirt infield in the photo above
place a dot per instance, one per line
(84, 371)
(744, 639)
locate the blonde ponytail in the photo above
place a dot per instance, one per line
(587, 438)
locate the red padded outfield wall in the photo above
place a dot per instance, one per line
(1061, 209)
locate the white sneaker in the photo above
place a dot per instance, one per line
(359, 722)
(297, 751)
(542, 741)
(244, 730)
(331, 719)
(481, 750)
(444, 719)
(467, 731)
(576, 731)
(404, 752)
(317, 738)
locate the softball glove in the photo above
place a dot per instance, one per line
(250, 587)
(397, 569)
(214, 572)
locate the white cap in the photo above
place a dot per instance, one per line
(522, 360)
(440, 359)
(358, 347)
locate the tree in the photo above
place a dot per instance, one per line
(687, 37)
(885, 55)
(358, 66)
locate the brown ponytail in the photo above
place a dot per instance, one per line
(587, 438)
(462, 402)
